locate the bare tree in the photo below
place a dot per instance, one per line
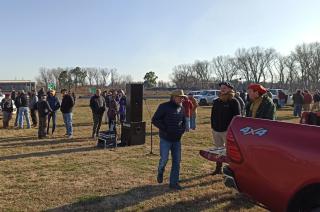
(224, 68)
(105, 73)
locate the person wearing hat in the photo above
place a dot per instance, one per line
(7, 109)
(170, 120)
(223, 110)
(43, 111)
(260, 105)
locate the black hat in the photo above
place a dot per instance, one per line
(226, 84)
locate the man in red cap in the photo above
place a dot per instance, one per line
(260, 105)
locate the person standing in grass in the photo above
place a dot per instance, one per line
(187, 108)
(66, 109)
(122, 106)
(170, 120)
(24, 111)
(307, 101)
(193, 117)
(113, 112)
(7, 109)
(316, 101)
(297, 102)
(223, 110)
(33, 107)
(98, 106)
(55, 105)
(43, 110)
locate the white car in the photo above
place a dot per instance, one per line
(275, 96)
(208, 96)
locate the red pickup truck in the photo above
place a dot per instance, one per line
(273, 163)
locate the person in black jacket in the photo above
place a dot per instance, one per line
(16, 103)
(223, 110)
(7, 109)
(43, 110)
(24, 110)
(98, 106)
(66, 109)
(170, 120)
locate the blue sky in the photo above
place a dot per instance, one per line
(137, 36)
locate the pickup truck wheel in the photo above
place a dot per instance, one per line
(308, 200)
(203, 102)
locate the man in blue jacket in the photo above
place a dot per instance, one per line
(55, 105)
(170, 120)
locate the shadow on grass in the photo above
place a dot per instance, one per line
(283, 118)
(18, 138)
(44, 142)
(138, 195)
(48, 153)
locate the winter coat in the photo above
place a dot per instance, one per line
(170, 120)
(67, 104)
(7, 105)
(266, 110)
(223, 110)
(298, 99)
(53, 102)
(97, 104)
(43, 108)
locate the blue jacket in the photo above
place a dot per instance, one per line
(53, 102)
(170, 120)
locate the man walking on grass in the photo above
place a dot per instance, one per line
(170, 120)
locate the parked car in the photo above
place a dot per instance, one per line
(196, 95)
(206, 97)
(273, 163)
(275, 97)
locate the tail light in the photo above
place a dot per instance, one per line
(233, 150)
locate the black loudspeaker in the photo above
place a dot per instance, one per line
(133, 133)
(134, 108)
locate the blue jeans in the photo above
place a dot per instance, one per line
(187, 124)
(23, 112)
(52, 115)
(193, 122)
(282, 102)
(297, 110)
(67, 118)
(175, 147)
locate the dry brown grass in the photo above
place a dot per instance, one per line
(72, 175)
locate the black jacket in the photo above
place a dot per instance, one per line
(67, 104)
(266, 110)
(43, 108)
(170, 120)
(97, 104)
(222, 113)
(7, 105)
(298, 99)
(23, 100)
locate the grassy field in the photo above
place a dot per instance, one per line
(58, 174)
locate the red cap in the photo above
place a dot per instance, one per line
(257, 87)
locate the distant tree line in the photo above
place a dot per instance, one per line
(72, 78)
(299, 69)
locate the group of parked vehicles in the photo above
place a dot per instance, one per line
(206, 97)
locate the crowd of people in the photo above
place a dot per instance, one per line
(305, 101)
(42, 107)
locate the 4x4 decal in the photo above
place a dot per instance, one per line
(250, 131)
